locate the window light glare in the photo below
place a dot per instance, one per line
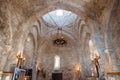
(59, 12)
(57, 63)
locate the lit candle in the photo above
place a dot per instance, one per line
(78, 68)
(92, 74)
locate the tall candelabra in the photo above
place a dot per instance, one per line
(20, 59)
(96, 62)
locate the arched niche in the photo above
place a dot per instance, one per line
(93, 50)
(29, 50)
(68, 54)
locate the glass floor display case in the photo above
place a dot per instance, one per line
(113, 76)
(6, 75)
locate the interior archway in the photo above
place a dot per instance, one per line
(42, 29)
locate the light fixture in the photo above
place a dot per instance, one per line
(95, 61)
(59, 12)
(59, 41)
(96, 55)
(20, 59)
(78, 68)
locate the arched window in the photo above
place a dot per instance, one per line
(57, 62)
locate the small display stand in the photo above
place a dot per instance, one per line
(56, 76)
(19, 74)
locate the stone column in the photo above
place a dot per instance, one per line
(112, 60)
(34, 75)
(109, 49)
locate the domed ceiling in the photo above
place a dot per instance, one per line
(60, 18)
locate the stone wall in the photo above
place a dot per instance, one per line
(115, 23)
(5, 34)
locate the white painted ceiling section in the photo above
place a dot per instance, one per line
(60, 18)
